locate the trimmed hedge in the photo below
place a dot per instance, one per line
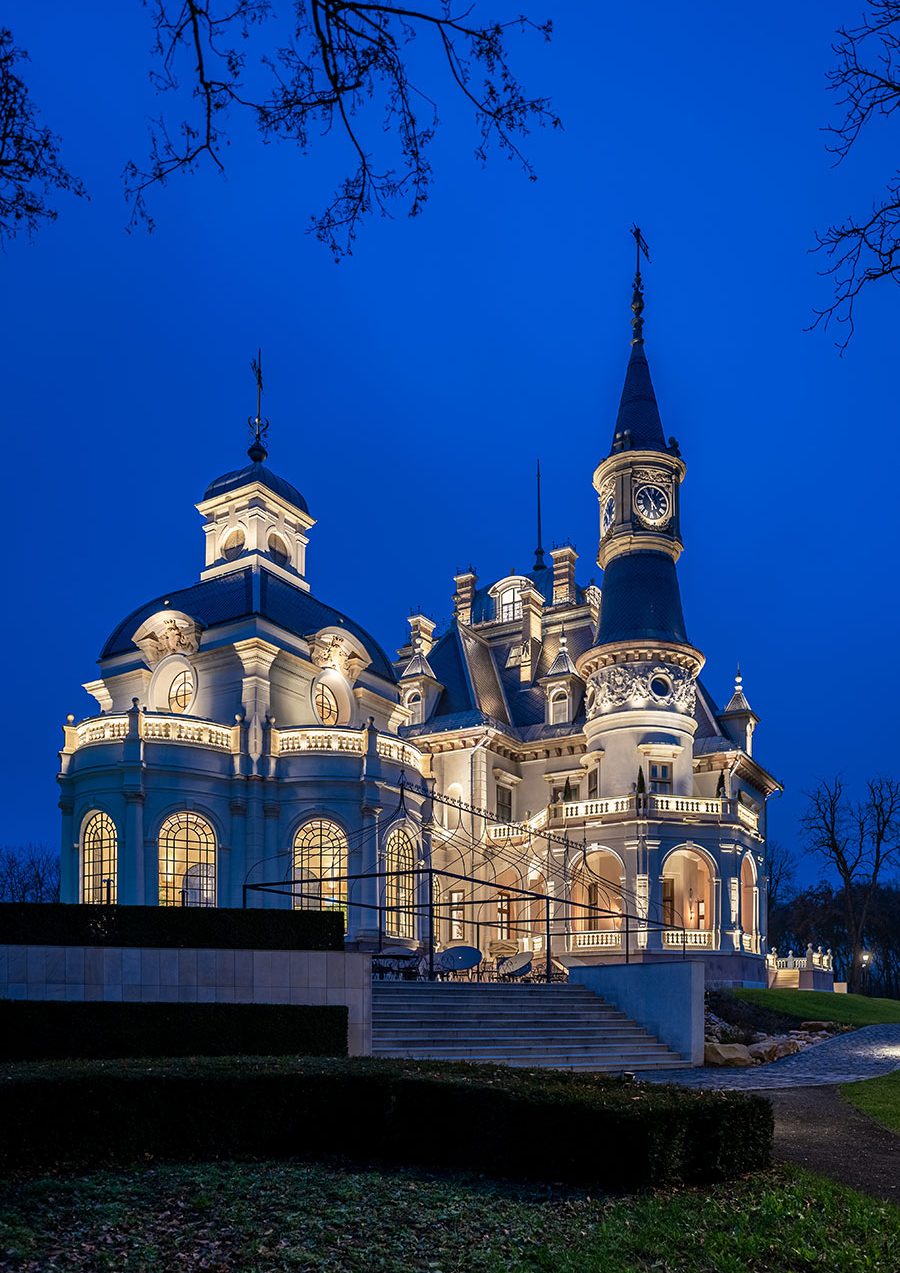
(210, 927)
(37, 1030)
(612, 1133)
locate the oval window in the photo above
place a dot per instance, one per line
(234, 545)
(181, 691)
(660, 687)
(278, 550)
(326, 705)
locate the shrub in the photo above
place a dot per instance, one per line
(34, 1029)
(542, 1124)
(209, 927)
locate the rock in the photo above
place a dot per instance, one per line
(764, 1051)
(729, 1054)
(816, 1027)
(786, 1047)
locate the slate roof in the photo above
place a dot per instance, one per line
(221, 600)
(641, 600)
(256, 472)
(483, 604)
(638, 410)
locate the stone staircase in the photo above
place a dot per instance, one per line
(786, 979)
(564, 1026)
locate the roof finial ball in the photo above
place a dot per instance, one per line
(738, 680)
(259, 427)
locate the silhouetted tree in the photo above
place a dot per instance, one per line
(857, 841)
(29, 873)
(864, 247)
(30, 167)
(781, 872)
(328, 66)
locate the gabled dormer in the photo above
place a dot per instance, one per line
(562, 687)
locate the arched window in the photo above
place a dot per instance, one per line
(187, 861)
(399, 859)
(320, 867)
(326, 704)
(688, 894)
(748, 897)
(559, 708)
(98, 860)
(509, 604)
(414, 703)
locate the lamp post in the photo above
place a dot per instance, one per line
(866, 956)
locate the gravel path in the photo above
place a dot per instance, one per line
(847, 1058)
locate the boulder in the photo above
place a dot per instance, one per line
(816, 1027)
(729, 1054)
(764, 1050)
(786, 1047)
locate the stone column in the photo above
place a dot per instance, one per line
(131, 888)
(238, 809)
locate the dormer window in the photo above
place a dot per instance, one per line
(559, 708)
(414, 703)
(509, 604)
(326, 704)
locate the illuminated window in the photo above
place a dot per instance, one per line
(668, 900)
(509, 604)
(320, 867)
(278, 550)
(559, 708)
(504, 803)
(326, 704)
(593, 783)
(457, 916)
(234, 545)
(187, 861)
(98, 860)
(399, 884)
(181, 691)
(661, 778)
(504, 906)
(414, 703)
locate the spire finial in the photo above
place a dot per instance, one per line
(539, 563)
(738, 680)
(260, 427)
(637, 298)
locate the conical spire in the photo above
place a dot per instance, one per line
(638, 426)
(738, 699)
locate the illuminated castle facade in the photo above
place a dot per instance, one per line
(585, 785)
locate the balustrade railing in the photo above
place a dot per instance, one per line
(654, 804)
(811, 959)
(687, 937)
(595, 940)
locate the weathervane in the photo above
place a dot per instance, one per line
(637, 299)
(258, 426)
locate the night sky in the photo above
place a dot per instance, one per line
(412, 387)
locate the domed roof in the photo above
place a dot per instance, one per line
(256, 472)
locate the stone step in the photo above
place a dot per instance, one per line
(526, 1056)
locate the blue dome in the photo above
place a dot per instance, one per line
(256, 472)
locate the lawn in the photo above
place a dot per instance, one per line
(268, 1217)
(879, 1098)
(820, 1005)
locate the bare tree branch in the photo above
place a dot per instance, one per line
(30, 167)
(867, 83)
(339, 59)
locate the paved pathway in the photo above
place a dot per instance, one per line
(847, 1058)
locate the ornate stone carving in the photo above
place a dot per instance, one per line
(628, 685)
(659, 477)
(331, 651)
(167, 633)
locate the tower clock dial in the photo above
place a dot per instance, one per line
(652, 503)
(609, 513)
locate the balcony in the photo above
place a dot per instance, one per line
(290, 741)
(652, 806)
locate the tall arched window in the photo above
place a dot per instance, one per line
(187, 861)
(320, 867)
(559, 708)
(400, 883)
(98, 859)
(414, 703)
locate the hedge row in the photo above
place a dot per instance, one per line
(613, 1134)
(210, 927)
(38, 1030)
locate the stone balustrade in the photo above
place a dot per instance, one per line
(654, 805)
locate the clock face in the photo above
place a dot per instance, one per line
(609, 512)
(652, 503)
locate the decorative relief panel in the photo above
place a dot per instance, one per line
(167, 633)
(328, 651)
(657, 477)
(628, 685)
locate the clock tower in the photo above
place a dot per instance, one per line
(641, 670)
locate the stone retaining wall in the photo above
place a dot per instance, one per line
(152, 975)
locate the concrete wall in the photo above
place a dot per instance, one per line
(152, 975)
(665, 998)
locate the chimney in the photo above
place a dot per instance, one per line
(564, 575)
(464, 595)
(421, 631)
(532, 629)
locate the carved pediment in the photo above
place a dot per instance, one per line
(330, 650)
(167, 632)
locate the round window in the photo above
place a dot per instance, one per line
(278, 550)
(181, 691)
(660, 687)
(234, 545)
(326, 705)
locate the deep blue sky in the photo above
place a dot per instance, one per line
(411, 387)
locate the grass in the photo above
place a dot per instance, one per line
(820, 1005)
(268, 1217)
(879, 1098)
